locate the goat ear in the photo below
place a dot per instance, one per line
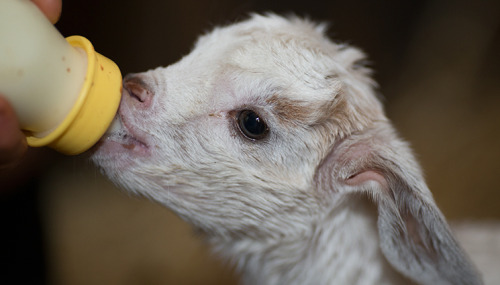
(414, 236)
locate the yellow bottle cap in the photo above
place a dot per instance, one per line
(94, 109)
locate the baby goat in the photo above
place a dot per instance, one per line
(269, 140)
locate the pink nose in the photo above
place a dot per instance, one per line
(136, 91)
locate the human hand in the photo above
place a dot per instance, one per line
(13, 143)
(51, 8)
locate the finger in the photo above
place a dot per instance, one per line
(51, 9)
(12, 141)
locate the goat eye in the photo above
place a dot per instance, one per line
(252, 125)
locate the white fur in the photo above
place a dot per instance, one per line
(330, 196)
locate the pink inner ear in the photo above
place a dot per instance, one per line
(365, 176)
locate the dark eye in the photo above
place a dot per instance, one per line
(252, 125)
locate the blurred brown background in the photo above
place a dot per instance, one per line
(437, 63)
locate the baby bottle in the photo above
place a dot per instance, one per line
(64, 93)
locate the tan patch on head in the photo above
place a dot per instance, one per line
(336, 109)
(288, 110)
(309, 113)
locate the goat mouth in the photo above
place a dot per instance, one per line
(126, 135)
(130, 143)
(132, 138)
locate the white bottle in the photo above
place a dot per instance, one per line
(64, 93)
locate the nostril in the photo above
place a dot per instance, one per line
(137, 88)
(135, 93)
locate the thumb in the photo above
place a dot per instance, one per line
(13, 143)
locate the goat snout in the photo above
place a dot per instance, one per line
(137, 91)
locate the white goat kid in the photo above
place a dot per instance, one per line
(269, 140)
